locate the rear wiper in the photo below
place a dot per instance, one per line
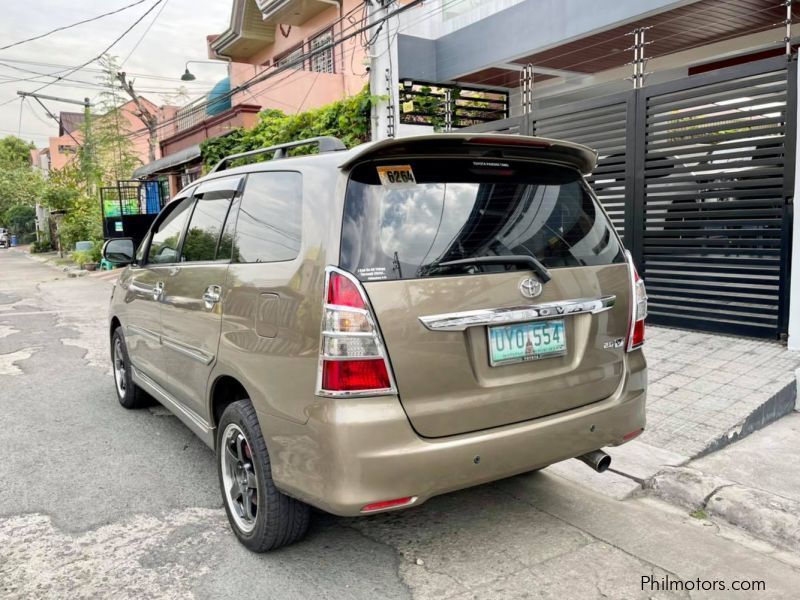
(512, 259)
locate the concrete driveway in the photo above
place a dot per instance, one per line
(100, 502)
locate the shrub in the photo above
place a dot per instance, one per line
(82, 257)
(348, 119)
(82, 222)
(42, 245)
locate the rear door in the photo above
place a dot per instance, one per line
(191, 305)
(475, 346)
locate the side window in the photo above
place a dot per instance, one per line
(208, 220)
(270, 216)
(226, 242)
(164, 245)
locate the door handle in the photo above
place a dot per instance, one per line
(158, 290)
(211, 296)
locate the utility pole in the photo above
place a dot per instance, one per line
(88, 166)
(383, 76)
(88, 156)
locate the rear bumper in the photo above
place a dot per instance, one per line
(354, 452)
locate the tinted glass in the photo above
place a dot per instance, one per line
(448, 210)
(164, 246)
(226, 246)
(268, 226)
(208, 221)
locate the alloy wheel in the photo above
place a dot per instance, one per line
(239, 478)
(119, 368)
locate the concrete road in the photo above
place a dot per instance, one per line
(100, 502)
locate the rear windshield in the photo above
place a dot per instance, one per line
(403, 219)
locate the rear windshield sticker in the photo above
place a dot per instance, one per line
(397, 176)
(372, 273)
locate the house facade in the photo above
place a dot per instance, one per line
(266, 37)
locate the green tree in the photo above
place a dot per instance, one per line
(15, 153)
(20, 186)
(21, 220)
(115, 157)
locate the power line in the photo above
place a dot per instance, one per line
(144, 35)
(289, 69)
(62, 68)
(92, 85)
(91, 60)
(62, 28)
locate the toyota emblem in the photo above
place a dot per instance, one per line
(530, 287)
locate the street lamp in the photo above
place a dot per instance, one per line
(188, 75)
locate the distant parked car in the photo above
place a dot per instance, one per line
(364, 329)
(4, 241)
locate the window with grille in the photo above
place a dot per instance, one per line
(322, 62)
(289, 57)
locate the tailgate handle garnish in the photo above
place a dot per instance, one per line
(459, 321)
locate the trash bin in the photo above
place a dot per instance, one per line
(13, 241)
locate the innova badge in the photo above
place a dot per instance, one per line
(530, 287)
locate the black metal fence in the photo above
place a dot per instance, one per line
(698, 176)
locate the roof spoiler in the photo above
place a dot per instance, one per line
(579, 156)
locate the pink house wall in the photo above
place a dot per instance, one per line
(298, 90)
(58, 159)
(133, 126)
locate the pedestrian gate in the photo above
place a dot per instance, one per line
(698, 177)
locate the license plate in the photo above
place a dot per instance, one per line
(526, 341)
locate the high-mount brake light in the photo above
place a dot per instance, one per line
(638, 307)
(510, 140)
(353, 360)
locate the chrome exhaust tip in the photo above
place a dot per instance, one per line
(597, 460)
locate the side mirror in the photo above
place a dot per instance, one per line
(119, 251)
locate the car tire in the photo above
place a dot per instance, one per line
(261, 516)
(129, 394)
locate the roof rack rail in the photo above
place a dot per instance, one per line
(326, 143)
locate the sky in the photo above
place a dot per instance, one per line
(178, 34)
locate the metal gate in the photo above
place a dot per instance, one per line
(698, 176)
(130, 207)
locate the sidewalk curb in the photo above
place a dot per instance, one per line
(778, 405)
(69, 271)
(764, 514)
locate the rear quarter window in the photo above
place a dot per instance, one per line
(269, 223)
(451, 209)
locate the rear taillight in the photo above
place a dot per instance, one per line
(353, 358)
(638, 308)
